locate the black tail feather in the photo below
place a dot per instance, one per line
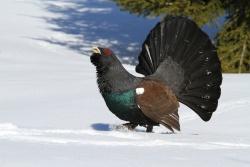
(180, 54)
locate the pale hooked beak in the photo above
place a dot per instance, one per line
(96, 50)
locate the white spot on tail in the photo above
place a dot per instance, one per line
(139, 91)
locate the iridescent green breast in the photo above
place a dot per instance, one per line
(123, 105)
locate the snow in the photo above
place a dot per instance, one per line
(51, 113)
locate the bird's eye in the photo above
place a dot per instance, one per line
(107, 52)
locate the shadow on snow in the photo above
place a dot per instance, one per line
(97, 23)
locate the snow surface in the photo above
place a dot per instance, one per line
(51, 113)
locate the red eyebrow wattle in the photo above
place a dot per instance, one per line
(107, 52)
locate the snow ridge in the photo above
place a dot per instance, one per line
(9, 131)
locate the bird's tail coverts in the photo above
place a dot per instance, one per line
(179, 53)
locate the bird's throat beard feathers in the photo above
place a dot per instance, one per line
(103, 80)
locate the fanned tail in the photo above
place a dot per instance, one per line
(179, 53)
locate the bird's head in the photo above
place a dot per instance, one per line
(102, 57)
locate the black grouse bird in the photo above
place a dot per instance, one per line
(180, 64)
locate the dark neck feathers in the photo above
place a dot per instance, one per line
(115, 78)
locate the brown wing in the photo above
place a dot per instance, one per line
(158, 102)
